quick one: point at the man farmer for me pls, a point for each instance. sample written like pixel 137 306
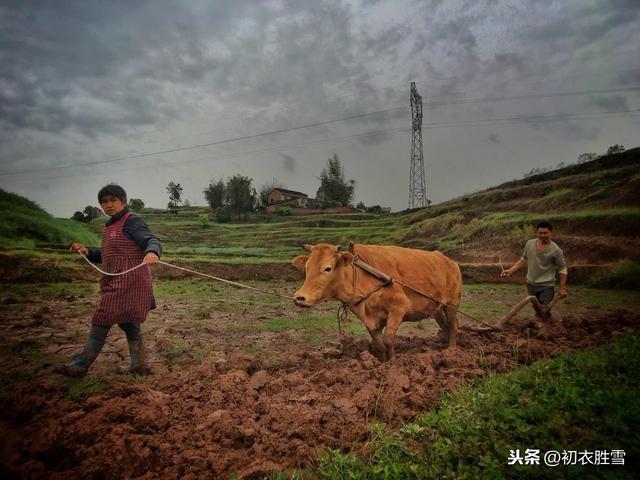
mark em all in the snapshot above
pixel 543 258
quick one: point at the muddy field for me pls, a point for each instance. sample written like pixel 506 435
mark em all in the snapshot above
pixel 242 383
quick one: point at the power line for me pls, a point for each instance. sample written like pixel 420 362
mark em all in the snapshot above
pixel 463 100
pixel 526 119
pixel 209 144
pixel 390 131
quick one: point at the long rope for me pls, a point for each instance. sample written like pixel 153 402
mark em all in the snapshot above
pixel 419 292
pixel 224 280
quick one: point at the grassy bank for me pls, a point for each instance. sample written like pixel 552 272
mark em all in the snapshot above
pixel 584 401
pixel 24 224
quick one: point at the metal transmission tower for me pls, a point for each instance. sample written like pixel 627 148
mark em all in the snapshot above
pixel 417 184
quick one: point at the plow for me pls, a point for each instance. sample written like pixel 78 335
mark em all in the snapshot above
pixel 543 312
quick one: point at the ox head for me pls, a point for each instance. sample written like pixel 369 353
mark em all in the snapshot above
pixel 327 274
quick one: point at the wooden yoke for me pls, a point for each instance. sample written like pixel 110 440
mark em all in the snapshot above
pixel 372 270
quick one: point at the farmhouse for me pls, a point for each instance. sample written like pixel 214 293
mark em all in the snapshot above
pixel 280 197
pixel 299 203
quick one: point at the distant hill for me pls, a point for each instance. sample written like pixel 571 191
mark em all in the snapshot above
pixel 594 207
pixel 24 224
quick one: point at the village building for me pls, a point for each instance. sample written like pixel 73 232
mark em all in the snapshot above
pixel 281 197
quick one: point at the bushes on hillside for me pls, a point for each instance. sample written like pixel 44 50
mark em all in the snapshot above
pixel 223 215
pixel 203 218
pixel 623 275
pixel 284 211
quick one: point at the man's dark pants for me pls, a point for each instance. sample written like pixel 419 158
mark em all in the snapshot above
pixel 544 293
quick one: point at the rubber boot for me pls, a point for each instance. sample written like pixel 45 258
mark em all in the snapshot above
pixel 80 364
pixel 138 353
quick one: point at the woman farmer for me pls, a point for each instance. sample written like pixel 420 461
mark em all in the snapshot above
pixel 124 299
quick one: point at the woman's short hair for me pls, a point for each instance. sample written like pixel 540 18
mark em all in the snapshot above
pixel 112 189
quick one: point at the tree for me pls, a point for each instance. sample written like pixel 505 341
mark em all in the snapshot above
pixel 88 214
pixel 240 195
pixel 265 190
pixel 92 212
pixel 334 189
pixel 615 149
pixel 214 194
pixel 136 204
pixel 361 206
pixel 374 209
pixel 587 157
pixel 223 214
pixel 175 196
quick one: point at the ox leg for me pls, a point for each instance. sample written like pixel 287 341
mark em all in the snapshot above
pixel 374 326
pixel 378 349
pixel 441 320
pixel 393 322
pixel 451 318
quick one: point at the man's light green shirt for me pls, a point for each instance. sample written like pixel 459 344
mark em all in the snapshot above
pixel 542 266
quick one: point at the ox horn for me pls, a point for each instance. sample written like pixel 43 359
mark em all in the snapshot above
pixel 339 248
pixel 307 247
pixel 352 246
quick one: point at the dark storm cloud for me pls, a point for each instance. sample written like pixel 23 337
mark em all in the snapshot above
pixel 565 129
pixel 629 76
pixel 610 102
pixel 375 138
pixel 102 68
pixel 590 22
pixel 93 66
pixel 288 163
pixel 493 138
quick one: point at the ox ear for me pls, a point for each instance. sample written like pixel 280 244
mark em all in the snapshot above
pixel 346 257
pixel 300 262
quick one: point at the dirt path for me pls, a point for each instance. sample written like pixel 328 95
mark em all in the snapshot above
pixel 250 416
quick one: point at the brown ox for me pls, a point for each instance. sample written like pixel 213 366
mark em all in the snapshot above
pixel 332 275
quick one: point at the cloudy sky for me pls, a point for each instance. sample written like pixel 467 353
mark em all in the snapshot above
pixel 144 93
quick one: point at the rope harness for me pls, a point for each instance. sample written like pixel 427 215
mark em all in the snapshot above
pixel 386 281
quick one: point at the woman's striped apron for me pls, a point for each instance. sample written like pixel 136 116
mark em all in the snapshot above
pixel 125 298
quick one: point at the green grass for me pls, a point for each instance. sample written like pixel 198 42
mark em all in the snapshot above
pixel 173 352
pixel 583 401
pixel 560 193
pixel 624 274
pixel 309 324
pixel 82 388
pixel 23 224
